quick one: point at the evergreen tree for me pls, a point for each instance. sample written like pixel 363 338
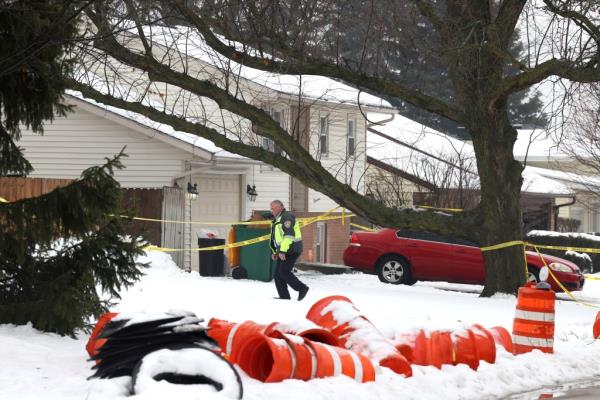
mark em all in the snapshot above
pixel 56 249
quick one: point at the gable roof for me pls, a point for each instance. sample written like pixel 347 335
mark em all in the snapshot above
pixel 311 87
pixel 185 141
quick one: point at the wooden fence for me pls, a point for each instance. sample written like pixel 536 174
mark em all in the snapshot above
pixel 13 189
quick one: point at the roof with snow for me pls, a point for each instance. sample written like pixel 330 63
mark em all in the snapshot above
pixel 309 86
pixel 195 141
pixel 411 147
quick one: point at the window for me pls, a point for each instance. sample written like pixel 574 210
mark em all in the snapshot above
pixel 320 242
pixel 324 134
pixel 351 137
pixel 269 144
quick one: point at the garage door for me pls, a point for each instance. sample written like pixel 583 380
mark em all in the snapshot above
pixel 218 201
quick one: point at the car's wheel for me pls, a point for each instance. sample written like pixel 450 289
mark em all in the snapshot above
pixel 394 270
pixel 533 275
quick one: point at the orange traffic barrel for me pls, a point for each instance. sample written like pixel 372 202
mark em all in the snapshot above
pixel 533 326
pixel 468 346
pixel 357 333
pixel 502 337
pixel 320 313
pixel 286 356
pixel 597 326
pixel 94 344
pixel 229 334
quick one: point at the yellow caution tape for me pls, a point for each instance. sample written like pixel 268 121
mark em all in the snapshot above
pixel 364 228
pixel 322 217
pixel 591 277
pixel 3 200
pixel 561 285
pixel 566 248
pixel 304 222
pixel 210 248
pixel 503 245
pixel 441 209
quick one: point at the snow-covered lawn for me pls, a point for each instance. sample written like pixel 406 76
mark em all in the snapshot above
pixel 39 366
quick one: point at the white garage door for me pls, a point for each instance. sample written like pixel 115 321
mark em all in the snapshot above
pixel 218 201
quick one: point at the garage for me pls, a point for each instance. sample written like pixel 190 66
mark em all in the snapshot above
pixel 219 200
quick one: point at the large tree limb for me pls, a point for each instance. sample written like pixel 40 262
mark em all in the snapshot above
pixel 561 68
pixel 302 64
pixel 462 225
pixel 506 21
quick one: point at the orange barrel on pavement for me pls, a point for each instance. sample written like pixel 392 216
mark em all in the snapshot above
pixel 357 333
pixel 533 326
pixel 286 356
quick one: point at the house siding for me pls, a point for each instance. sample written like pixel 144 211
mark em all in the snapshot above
pixel 349 170
pixel 82 139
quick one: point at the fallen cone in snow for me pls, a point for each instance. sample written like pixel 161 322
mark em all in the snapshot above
pixel 285 356
pixel 94 344
pixel 597 326
pixel 462 347
pixel 357 333
pixel 533 326
pixel 229 335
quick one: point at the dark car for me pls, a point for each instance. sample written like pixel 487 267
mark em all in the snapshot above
pixel 403 256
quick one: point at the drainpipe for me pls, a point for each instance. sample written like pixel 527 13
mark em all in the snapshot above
pixel 556 207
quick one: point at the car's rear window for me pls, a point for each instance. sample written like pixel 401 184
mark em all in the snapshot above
pixel 432 237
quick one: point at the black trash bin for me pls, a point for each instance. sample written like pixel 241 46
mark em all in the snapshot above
pixel 211 261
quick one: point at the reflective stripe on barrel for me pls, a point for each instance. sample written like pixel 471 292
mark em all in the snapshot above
pixel 533 326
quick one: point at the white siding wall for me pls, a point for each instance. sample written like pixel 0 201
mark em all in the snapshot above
pixel 346 169
pixel 271 184
pixel 70 145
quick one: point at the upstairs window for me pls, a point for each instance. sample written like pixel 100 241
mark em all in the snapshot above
pixel 324 135
pixel 269 144
pixel 351 137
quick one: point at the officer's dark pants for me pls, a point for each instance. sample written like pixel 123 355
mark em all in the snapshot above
pixel 284 276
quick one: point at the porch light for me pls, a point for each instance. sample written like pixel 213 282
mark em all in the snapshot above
pixel 192 191
pixel 251 192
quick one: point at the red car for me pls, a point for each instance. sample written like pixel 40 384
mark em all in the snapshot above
pixel 403 256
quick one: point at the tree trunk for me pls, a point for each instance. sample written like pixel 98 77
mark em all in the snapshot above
pixel 501 217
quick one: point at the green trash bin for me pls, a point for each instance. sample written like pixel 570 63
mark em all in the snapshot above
pixel 256 257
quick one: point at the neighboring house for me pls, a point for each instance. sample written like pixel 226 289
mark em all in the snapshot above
pixel 322 113
pixel 402 153
pixel 581 213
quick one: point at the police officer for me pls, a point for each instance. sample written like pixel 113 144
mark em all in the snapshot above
pixel 286 247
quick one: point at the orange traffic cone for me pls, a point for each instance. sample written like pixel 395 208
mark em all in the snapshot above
pixel 285 356
pixel 357 333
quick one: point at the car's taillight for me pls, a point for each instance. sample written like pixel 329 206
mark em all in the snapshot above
pixel 354 240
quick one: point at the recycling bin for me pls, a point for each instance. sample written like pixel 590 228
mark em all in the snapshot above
pixel 256 257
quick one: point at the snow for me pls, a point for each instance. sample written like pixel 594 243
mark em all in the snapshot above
pixel 187 362
pixel 427 153
pixel 43 366
pixel 314 87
